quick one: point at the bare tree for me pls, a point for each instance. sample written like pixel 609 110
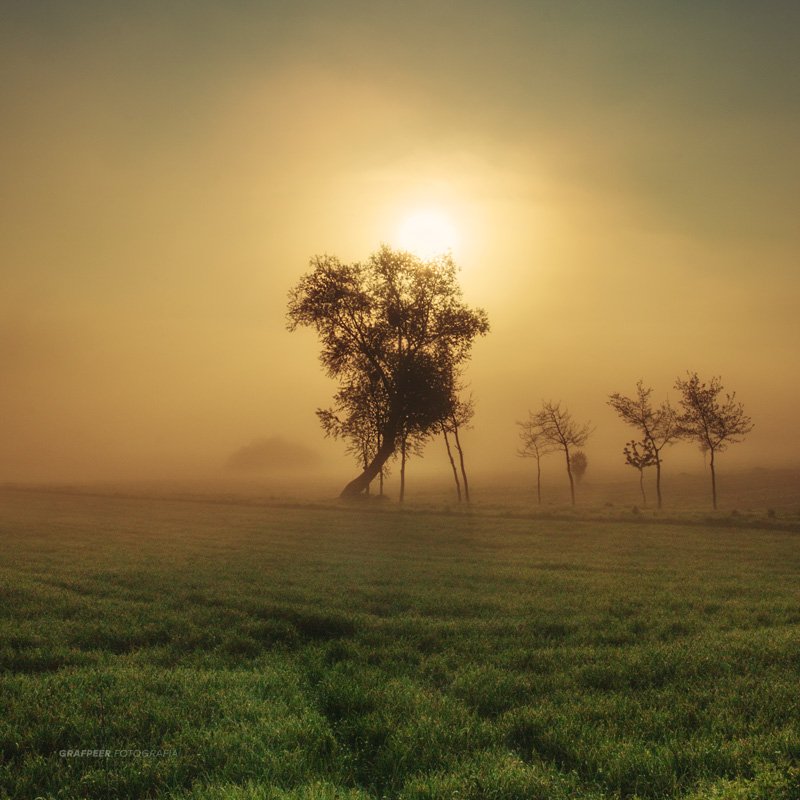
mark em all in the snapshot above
pixel 711 422
pixel 561 431
pixel 534 445
pixel 640 455
pixel 658 425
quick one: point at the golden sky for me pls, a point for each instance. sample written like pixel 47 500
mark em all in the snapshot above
pixel 622 180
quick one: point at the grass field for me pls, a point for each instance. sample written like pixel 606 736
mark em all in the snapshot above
pixel 233 651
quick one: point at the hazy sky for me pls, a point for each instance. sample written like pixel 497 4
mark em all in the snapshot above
pixel 623 179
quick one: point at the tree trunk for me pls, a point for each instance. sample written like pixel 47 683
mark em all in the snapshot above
pixel 381 482
pixel 658 478
pixel 402 469
pixel 713 482
pixel 452 462
pixel 387 448
pixel 461 460
pixel 571 481
pixel 641 486
pixel 539 480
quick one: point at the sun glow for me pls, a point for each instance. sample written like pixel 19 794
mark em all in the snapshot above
pixel 427 233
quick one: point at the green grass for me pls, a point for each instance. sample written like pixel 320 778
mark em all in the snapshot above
pixel 296 653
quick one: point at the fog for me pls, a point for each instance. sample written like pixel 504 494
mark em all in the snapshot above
pixel 623 178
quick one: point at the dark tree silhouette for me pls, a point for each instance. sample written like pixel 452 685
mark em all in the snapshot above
pixel 711 422
pixel 560 430
pixel 578 462
pixel 640 455
pixel 534 445
pixel 396 321
pixel 658 425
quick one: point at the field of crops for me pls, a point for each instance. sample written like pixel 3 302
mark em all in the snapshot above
pixel 157 648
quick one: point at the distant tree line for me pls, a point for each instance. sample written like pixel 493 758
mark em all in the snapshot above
pixel 707 416
pixel 396 335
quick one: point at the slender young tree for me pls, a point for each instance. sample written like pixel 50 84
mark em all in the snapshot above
pixel 710 421
pixel 459 419
pixel 640 455
pixel 403 457
pixel 443 428
pixel 534 446
pixel 562 432
pixel 658 425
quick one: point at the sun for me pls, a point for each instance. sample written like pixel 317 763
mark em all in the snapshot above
pixel 427 233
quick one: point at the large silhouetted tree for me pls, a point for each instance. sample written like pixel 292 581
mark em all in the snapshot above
pixel 658 425
pixel 713 423
pixel 534 445
pixel 396 321
pixel 561 432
